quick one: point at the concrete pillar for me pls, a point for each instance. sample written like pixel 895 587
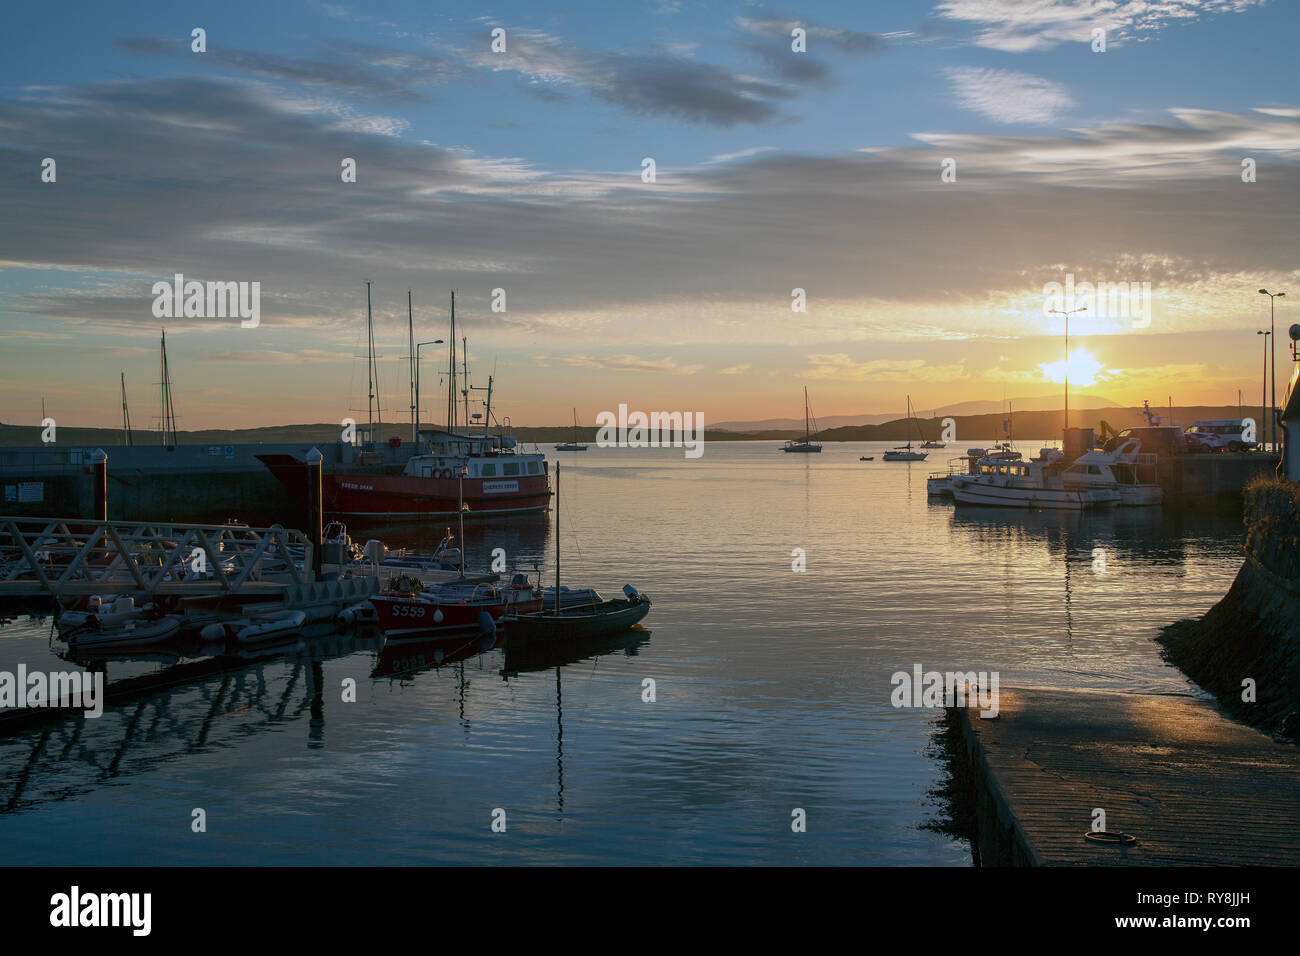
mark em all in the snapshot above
pixel 315 511
pixel 99 475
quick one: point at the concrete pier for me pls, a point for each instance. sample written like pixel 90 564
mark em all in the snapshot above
pixel 1194 787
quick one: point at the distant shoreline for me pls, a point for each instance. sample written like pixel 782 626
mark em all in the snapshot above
pixel 986 427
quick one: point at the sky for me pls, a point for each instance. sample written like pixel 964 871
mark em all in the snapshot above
pixel 922 172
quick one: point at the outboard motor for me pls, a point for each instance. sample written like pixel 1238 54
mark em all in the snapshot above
pixel 631 593
pixel 486 624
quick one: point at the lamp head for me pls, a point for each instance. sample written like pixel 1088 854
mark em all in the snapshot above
pixel 1294 332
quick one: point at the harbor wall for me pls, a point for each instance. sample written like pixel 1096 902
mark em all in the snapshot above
pixel 1211 481
pixel 1254 632
pixel 185 483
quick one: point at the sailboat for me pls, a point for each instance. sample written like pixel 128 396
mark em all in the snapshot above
pixel 904 452
pixel 572 445
pixel 805 444
pixel 577 620
pixel 930 442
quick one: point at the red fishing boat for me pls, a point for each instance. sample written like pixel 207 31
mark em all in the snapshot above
pixel 455 606
pixel 484 473
pixel 446 471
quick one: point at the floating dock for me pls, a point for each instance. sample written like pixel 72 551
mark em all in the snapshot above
pixel 1193 786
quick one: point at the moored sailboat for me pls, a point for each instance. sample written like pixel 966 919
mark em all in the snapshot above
pixel 804 445
pixel 904 452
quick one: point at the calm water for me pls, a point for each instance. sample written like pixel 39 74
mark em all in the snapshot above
pixel 772 686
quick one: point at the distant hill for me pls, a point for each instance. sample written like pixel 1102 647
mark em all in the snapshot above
pixel 1041 403
pixel 970 428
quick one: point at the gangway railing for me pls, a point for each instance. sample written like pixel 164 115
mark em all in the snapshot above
pixel 73 557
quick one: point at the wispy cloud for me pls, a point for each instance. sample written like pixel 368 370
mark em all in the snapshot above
pixel 1006 96
pixel 1018 26
pixel 632 363
pixel 658 81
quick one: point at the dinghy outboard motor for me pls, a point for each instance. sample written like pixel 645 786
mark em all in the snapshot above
pixel 486 624
pixel 632 594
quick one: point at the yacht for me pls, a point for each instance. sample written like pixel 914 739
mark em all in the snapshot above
pixel 1035 483
pixel 1122 468
pixel 804 445
pixel 904 452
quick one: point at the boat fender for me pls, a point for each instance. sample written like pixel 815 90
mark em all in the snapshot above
pixel 485 623
pixel 437 616
pixel 213 632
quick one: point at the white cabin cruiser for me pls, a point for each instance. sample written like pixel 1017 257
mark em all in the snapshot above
pixel 1035 483
pixel 1121 469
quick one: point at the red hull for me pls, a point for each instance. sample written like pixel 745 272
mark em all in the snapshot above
pixel 353 495
pixel 357 494
pixel 401 615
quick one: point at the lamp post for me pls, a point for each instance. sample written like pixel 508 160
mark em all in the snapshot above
pixel 1082 308
pixel 1272 329
pixel 1263 386
pixel 417 390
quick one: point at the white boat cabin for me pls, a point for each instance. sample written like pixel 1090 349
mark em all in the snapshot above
pixel 482 456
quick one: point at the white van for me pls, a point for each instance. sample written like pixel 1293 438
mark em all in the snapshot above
pixel 1223 434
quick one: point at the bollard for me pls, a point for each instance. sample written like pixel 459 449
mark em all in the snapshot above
pixel 315 517
pixel 99 474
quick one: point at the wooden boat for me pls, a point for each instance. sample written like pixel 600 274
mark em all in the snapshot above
pixel 576 619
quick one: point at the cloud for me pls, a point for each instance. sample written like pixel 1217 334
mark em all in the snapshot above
pixel 838 365
pixel 736 369
pixel 1007 96
pixel 225 179
pixel 662 81
pixel 632 363
pixel 1019 26
pixel 778 27
pixel 345 66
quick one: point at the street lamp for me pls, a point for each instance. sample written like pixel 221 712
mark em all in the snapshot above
pixel 1264 385
pixel 1082 308
pixel 417 389
pixel 1272 329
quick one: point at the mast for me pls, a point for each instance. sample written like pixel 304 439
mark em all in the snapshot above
pixel 451 369
pixel 805 414
pixel 126 415
pixel 168 409
pixel 464 388
pixel 372 374
pixel 410 360
pixel 557 537
pixel 909 423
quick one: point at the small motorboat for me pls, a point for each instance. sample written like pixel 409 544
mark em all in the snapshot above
pixel 581 620
pixel 867 458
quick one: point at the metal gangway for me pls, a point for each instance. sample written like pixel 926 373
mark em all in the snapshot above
pixel 73 557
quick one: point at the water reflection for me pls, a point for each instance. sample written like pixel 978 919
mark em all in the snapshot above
pixel 158 718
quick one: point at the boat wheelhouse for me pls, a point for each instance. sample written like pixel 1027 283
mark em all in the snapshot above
pixel 1035 483
pixel 939 483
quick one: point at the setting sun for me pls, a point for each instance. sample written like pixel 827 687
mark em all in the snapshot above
pixel 1084 369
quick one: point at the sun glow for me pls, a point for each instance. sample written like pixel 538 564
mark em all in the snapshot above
pixel 1084 369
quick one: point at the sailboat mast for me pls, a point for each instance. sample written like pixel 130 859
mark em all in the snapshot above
pixel 464 387
pixel 909 423
pixel 126 415
pixel 451 369
pixel 805 414
pixel 557 537
pixel 410 358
